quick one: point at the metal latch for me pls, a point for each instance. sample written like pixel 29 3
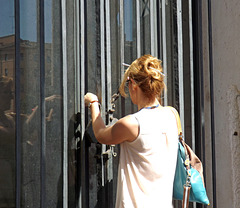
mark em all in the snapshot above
pixel 110 152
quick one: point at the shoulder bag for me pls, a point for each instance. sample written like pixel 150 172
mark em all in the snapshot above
pixel 188 182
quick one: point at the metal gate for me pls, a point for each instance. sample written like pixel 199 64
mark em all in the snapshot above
pixel 57 52
pixel 116 32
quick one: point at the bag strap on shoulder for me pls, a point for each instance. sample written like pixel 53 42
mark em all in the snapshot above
pixel 177 119
pixel 180 137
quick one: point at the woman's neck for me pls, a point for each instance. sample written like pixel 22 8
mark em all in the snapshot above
pixel 148 103
pixel 139 98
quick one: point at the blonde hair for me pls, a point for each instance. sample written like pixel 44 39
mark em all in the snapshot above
pixel 146 71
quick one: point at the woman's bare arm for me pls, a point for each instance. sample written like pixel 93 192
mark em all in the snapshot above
pixel 125 129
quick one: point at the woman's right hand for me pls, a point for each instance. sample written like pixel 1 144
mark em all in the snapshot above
pixel 89 97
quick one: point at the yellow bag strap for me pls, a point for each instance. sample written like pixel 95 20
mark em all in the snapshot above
pixel 177 119
pixel 180 136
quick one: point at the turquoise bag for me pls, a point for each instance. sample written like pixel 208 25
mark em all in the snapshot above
pixel 190 177
pixel 188 182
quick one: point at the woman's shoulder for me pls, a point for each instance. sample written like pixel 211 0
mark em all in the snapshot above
pixel 128 121
pixel 127 127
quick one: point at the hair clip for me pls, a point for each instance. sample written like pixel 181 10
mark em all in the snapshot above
pixel 125 64
pixel 156 70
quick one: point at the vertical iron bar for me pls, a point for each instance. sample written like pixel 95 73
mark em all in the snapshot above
pixel 159 28
pixel 17 105
pixel 180 61
pixel 109 95
pixel 153 27
pixel 65 118
pixel 164 49
pixel 77 55
pixel 77 86
pixel 108 53
pixel 121 27
pixel 202 106
pixel 191 73
pixel 191 76
pixel 82 52
pixel 103 74
pixel 42 106
pixel 103 67
pixel 138 29
pixel 212 101
pixel 82 193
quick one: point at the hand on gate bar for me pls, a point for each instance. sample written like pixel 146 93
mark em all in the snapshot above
pixel 90 98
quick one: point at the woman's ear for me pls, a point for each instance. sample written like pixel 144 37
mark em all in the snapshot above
pixel 134 84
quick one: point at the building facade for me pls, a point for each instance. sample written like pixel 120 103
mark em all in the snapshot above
pixel 53 52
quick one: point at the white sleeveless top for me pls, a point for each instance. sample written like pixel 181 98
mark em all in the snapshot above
pixel 147 165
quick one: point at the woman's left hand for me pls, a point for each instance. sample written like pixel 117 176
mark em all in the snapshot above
pixel 89 97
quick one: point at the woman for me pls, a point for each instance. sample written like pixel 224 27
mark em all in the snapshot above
pixel 148 139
